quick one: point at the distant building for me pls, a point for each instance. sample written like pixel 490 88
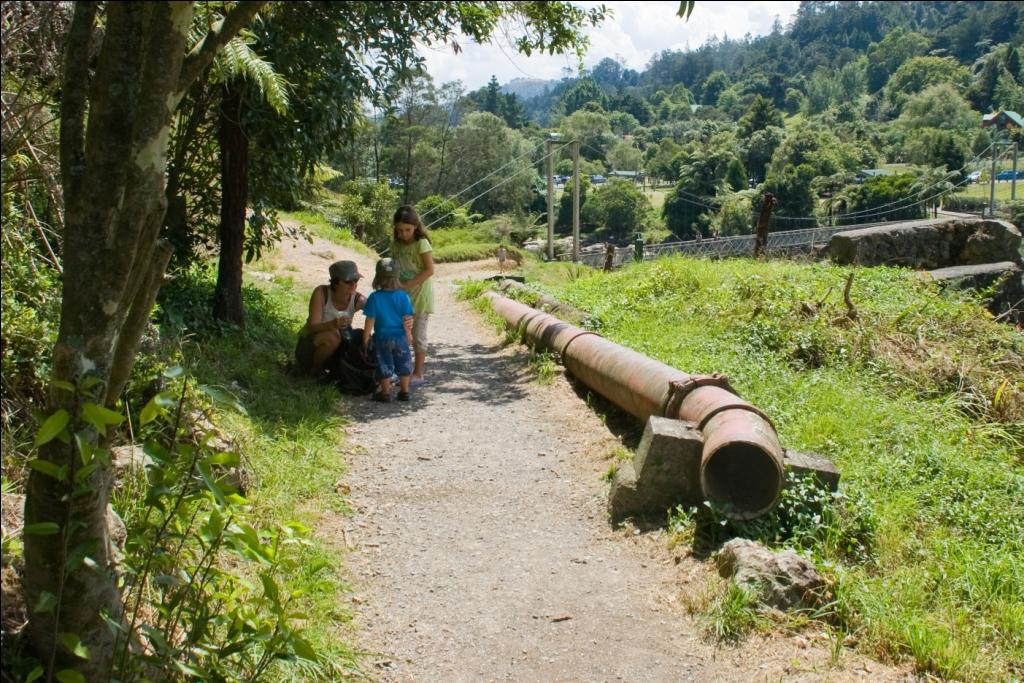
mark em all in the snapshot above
pixel 866 173
pixel 1002 120
pixel 635 176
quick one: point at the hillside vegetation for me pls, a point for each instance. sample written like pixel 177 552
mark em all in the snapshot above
pixel 280 122
pixel 917 399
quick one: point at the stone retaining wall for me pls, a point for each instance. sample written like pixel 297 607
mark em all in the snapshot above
pixel 929 245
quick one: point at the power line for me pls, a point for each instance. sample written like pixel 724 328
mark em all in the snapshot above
pixel 495 187
pixel 531 151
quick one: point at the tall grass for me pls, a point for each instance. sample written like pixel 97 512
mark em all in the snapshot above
pixel 917 396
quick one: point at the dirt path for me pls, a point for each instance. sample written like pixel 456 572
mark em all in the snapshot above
pixel 480 545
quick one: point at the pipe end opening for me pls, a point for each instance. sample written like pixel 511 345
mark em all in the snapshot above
pixel 743 479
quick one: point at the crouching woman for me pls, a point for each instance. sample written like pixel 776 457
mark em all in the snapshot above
pixel 329 324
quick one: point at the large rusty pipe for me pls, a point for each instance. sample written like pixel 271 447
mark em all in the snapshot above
pixel 741 464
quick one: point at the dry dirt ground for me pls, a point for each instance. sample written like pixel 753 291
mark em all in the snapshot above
pixel 479 548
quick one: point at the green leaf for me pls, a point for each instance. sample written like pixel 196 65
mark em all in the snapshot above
pixel 213 527
pixel 42 529
pixel 36 673
pixel 80 553
pixel 251 540
pixel 222 398
pixel 211 483
pixel 173 371
pixel 53 426
pixel 89 382
pixel 226 459
pixel 100 417
pixel 49 469
pixel 62 384
pixel 165 400
pixel 85 448
pixel 69 676
pixel 149 413
pixel 236 499
pixel 83 473
pixel 303 648
pixel 157 452
pixel 74 645
pixel 47 601
pixel 270 587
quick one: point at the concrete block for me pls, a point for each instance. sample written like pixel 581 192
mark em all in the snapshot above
pixel 812 463
pixel 664 473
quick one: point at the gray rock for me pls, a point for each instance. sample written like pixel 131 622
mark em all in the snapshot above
pixel 1007 277
pixel 783 580
pixel 126 460
pixel 929 244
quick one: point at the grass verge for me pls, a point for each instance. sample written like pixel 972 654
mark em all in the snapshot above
pixel 290 436
pixel 914 393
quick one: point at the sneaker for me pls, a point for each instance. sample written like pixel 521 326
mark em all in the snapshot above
pixel 403 395
pixel 381 398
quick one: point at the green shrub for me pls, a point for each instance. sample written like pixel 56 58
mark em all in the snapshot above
pixel 1014 212
pixel 441 213
pixel 961 202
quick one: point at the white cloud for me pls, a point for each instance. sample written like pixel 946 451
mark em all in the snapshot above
pixel 634 34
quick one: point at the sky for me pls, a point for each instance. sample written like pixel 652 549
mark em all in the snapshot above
pixel 635 33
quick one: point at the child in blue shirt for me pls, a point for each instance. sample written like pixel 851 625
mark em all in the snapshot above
pixel 389 317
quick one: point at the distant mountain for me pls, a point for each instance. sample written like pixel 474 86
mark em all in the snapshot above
pixel 525 88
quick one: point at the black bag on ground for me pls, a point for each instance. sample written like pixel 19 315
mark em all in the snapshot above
pixel 349 370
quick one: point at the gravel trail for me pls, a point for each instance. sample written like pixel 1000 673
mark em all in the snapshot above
pixel 480 548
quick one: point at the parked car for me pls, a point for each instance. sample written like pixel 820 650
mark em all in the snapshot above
pixel 1009 175
pixel 973 176
pixel 598 179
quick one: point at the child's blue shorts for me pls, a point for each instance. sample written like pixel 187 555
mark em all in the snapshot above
pixel 393 357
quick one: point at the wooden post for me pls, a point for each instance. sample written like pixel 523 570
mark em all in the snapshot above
pixel 761 240
pixel 550 166
pixel 576 201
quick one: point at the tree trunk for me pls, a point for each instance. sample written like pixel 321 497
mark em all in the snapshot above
pixel 234 173
pixel 113 151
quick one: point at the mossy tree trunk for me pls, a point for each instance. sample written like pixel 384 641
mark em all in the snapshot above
pixel 115 125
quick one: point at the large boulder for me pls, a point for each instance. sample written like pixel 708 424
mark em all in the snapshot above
pixel 1006 280
pixel 783 580
pixel 929 244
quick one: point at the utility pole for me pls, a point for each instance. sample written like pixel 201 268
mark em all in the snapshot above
pixel 549 145
pixel 575 200
pixel 1013 180
pixel 992 183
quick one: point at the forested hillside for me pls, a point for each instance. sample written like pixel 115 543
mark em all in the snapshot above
pixel 900 86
